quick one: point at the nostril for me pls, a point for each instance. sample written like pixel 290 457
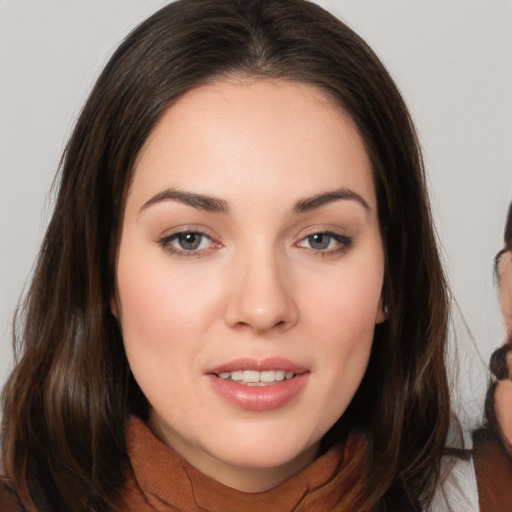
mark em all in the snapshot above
pixel 259 325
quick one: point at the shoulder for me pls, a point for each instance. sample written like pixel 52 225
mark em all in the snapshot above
pixel 9 501
pixel 457 487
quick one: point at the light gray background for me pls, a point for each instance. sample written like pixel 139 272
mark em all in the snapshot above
pixel 452 59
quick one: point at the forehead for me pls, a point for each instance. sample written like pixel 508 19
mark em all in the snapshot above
pixel 263 135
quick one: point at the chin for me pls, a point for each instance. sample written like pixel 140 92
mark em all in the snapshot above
pixel 266 451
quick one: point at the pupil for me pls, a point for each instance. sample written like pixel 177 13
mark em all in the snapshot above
pixel 319 241
pixel 189 241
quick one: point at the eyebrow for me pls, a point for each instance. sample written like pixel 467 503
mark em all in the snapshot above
pixel 316 201
pixel 215 205
pixel 199 201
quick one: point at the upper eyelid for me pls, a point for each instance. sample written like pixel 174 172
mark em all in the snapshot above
pixel 344 242
pixel 332 234
pixel 199 229
pixel 173 236
pixel 317 230
pixel 185 231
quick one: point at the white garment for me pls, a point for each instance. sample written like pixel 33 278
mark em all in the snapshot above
pixel 457 490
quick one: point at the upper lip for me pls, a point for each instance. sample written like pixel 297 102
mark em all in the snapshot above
pixel 261 365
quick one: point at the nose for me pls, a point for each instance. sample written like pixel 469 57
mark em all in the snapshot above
pixel 261 294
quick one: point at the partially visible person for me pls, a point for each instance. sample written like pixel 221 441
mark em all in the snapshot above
pixel 503 266
pixel 501 360
pixel 493 443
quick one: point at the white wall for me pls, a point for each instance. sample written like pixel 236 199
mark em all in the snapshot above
pixel 452 60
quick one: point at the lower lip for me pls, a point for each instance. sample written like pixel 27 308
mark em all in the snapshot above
pixel 259 398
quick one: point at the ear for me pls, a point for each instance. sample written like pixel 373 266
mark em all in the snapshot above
pixel 382 313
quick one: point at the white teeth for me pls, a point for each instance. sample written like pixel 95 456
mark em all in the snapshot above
pixel 251 376
pixel 268 376
pixel 254 377
pixel 238 375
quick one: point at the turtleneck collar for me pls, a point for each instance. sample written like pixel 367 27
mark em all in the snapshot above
pixel 159 479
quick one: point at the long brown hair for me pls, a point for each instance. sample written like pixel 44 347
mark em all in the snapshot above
pixel 67 400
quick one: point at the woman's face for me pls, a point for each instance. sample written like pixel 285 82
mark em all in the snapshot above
pixel 249 276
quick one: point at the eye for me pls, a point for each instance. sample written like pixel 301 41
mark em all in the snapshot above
pixel 186 242
pixel 325 242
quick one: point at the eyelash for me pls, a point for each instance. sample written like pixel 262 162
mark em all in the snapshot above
pixel 343 244
pixel 166 244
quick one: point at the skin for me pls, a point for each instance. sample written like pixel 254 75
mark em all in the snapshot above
pixel 503 404
pixel 505 279
pixel 503 393
pixel 256 286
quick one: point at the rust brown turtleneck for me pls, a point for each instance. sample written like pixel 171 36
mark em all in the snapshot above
pixel 160 480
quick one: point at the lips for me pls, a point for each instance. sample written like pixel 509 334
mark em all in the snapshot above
pixel 260 365
pixel 258 385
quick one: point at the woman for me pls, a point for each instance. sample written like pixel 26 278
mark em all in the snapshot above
pixel 501 362
pixel 497 407
pixel 239 303
pixel 493 443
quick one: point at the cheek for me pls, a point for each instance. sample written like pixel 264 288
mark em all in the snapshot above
pixel 344 328
pixel 344 314
pixel 163 314
pixel 349 302
pixel 157 301
pixel 348 313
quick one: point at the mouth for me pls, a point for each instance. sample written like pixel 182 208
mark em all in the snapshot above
pixel 255 377
pixel 259 385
